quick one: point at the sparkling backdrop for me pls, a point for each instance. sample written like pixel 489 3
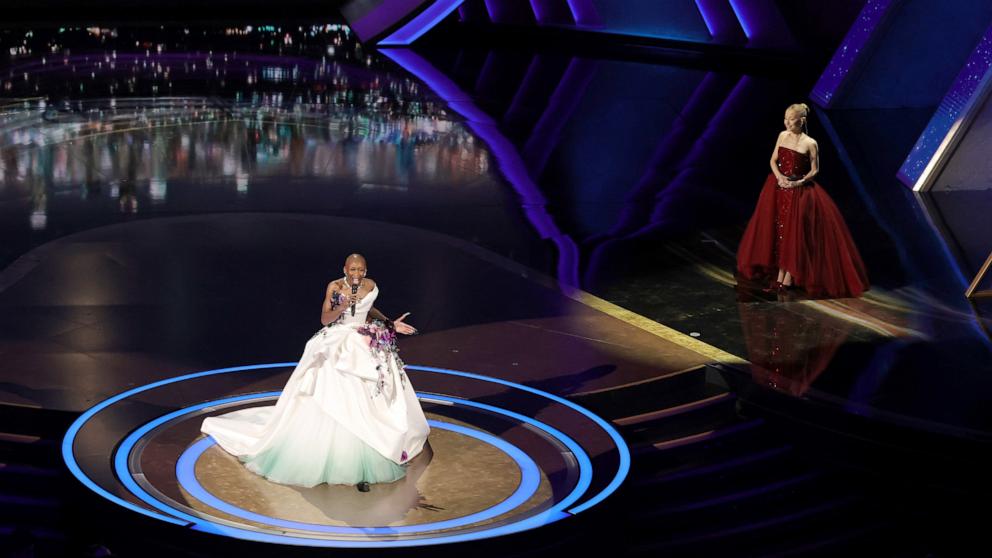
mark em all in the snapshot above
pixel 950 112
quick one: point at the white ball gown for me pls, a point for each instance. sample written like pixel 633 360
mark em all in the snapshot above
pixel 348 413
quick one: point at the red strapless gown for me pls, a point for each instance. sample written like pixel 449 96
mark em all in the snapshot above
pixel 801 231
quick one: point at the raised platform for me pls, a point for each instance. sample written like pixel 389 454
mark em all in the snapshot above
pixel 489 470
pixel 509 452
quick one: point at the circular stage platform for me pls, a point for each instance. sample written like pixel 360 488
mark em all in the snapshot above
pixel 502 458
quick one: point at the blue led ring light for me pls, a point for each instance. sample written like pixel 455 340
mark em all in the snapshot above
pixel 556 513
pixel 526 489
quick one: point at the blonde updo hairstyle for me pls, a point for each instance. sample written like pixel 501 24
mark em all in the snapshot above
pixel 802 109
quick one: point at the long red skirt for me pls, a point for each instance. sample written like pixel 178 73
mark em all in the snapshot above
pixel 801 231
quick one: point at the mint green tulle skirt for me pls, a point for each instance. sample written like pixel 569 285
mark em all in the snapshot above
pixel 315 449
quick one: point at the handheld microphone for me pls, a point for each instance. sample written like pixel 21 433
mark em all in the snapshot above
pixel 354 290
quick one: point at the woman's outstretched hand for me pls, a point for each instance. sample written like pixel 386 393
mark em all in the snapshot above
pixel 403 327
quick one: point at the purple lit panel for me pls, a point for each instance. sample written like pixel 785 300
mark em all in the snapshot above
pixel 737 7
pixel 493 9
pixel 966 88
pixel 847 54
pixel 379 19
pixel 541 10
pixel 721 21
pixel 524 91
pixel 561 105
pixel 763 23
pixel 422 23
pixel 551 12
pixel 727 117
pixel 585 13
pixel 672 19
pixel 507 157
pixel 695 115
pixel 511 11
pixel 711 92
pixel 473 11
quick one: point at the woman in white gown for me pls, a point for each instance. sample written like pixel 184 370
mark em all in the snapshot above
pixel 348 414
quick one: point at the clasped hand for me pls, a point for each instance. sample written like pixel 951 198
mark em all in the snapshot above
pixel 784 182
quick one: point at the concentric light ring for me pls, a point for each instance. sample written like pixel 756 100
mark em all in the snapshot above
pixel 558 511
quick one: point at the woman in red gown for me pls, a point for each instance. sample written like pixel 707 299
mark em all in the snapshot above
pixel 797 235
